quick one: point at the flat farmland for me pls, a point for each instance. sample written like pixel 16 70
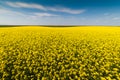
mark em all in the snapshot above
pixel 60 53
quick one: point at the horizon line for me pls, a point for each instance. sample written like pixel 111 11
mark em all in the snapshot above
pixel 59 25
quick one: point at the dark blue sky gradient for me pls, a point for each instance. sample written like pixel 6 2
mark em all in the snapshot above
pixel 76 4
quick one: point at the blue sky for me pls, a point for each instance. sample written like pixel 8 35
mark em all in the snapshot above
pixel 60 12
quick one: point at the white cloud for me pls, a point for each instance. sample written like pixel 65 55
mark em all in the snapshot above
pixel 25 5
pixel 44 14
pixel 10 12
pixel 9 17
pixel 67 10
pixel 44 8
pixel 34 14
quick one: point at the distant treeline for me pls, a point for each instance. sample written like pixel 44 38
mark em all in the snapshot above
pixel 58 25
pixel 37 25
pixel 10 25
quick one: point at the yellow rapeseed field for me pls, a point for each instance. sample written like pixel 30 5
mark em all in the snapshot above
pixel 51 53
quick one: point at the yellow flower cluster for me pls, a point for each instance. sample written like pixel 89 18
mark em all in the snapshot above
pixel 76 53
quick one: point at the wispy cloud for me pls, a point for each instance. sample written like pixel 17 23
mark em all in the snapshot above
pixel 12 17
pixel 33 14
pixel 67 10
pixel 44 8
pixel 10 12
pixel 44 14
pixel 25 5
